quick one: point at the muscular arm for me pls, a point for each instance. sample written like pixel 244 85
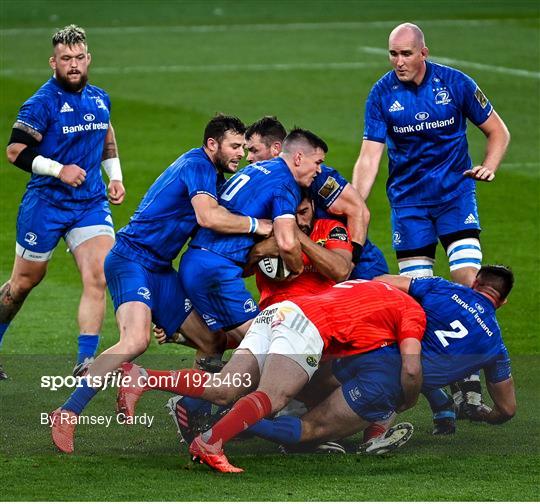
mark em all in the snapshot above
pixel 411 372
pixel 504 402
pixel 498 138
pixel 286 232
pixel 366 167
pixel 265 248
pixel 213 216
pixel 110 148
pixel 351 204
pixel 333 264
pixel 14 149
pixel 399 282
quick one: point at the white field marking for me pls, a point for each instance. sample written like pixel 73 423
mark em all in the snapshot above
pixel 337 25
pixel 470 64
pixel 353 65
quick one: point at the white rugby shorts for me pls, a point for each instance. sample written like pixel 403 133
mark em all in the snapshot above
pixel 283 329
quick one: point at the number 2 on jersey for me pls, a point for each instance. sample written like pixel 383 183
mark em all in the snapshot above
pixel 460 331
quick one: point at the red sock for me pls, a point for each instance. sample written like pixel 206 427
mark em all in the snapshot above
pixel 372 431
pixel 188 382
pixel 246 412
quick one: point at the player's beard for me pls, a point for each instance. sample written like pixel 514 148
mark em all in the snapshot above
pixel 222 163
pixel 73 87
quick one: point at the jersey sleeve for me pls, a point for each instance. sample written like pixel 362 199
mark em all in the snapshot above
pixel 500 369
pixel 35 113
pixel 284 202
pixel 326 187
pixel 423 285
pixel 374 123
pixel 475 105
pixel 412 323
pixel 200 179
pixel 337 236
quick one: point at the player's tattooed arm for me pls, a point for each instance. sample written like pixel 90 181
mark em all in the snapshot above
pixel 110 148
pixel 29 130
pixel 22 136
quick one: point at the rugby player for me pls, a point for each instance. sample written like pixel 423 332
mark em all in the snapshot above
pixel 332 195
pixel 211 269
pixel 62 136
pixel 462 334
pixel 282 351
pixel 144 286
pixel 420 110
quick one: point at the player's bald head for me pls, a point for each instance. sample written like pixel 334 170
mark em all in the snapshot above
pixel 409 34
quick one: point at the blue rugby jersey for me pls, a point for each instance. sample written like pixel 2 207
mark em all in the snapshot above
pixel 424 128
pixel 462 333
pixel 265 190
pixel 165 218
pixel 73 126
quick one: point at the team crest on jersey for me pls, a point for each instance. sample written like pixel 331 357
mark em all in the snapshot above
pixel 101 104
pixel 30 238
pixel 396 238
pixel 144 292
pixel 442 97
pixel 187 305
pixel 330 187
pixel 355 394
pixel 481 98
pixel 250 306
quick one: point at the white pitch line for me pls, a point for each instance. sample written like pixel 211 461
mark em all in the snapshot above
pixel 353 25
pixel 468 64
pixel 353 65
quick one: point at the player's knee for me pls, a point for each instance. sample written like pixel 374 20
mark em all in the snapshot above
pixel 134 345
pixel 22 283
pixel 416 267
pixel 94 279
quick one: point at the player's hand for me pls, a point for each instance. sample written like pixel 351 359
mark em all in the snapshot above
pixel 480 173
pixel 264 228
pixel 72 175
pixel 160 335
pixel 476 413
pixel 116 192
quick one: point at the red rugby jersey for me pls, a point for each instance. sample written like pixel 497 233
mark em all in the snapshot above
pixel 357 316
pixel 328 233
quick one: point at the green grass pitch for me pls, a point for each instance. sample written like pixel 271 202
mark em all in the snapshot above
pixel 169 66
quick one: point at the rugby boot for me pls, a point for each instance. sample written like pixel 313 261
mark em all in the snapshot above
pixel 394 438
pixel 63 423
pixel 211 455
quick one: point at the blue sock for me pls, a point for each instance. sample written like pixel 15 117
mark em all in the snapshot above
pixel 444 414
pixel 438 400
pixel 283 429
pixel 3 329
pixel 196 405
pixel 80 398
pixel 88 344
